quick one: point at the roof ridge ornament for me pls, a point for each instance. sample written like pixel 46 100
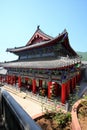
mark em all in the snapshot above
pixel 65 30
pixel 38 27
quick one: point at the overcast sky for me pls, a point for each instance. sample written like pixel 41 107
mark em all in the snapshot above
pixel 19 20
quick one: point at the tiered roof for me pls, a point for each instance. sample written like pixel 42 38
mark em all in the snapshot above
pixel 49 64
pixel 39 33
pixel 44 40
pixel 2 71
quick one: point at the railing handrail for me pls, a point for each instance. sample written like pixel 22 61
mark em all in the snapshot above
pixel 24 119
pixel 43 100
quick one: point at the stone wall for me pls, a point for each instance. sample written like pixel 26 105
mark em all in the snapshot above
pixel 84 74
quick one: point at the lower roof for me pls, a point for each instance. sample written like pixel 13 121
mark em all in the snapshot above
pixel 3 71
pixel 49 64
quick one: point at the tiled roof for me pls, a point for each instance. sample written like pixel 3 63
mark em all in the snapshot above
pixel 50 64
pixel 2 71
pixel 16 49
pixel 28 47
pixel 41 33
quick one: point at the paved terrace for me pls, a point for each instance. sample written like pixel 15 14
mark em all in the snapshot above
pixel 35 104
pixel 31 107
pixel 31 103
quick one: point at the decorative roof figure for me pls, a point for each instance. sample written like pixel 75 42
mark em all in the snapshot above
pixel 38 27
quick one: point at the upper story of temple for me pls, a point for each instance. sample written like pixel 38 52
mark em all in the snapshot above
pixel 44 47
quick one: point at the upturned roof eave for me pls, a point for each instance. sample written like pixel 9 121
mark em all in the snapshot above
pixel 17 49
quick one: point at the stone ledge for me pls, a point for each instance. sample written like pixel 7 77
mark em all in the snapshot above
pixel 75 122
pixel 37 116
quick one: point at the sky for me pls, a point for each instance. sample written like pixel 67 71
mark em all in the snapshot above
pixel 19 20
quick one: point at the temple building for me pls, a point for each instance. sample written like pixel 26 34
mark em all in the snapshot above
pixel 46 65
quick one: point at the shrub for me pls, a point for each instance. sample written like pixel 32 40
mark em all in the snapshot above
pixel 82 109
pixel 62 118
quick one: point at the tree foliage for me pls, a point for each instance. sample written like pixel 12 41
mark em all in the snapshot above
pixel 83 55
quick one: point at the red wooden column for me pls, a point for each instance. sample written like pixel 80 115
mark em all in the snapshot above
pixel 59 90
pixel 1 78
pixel 34 86
pixel 40 83
pixel 63 93
pixel 68 88
pixel 11 80
pixel 49 84
pixel 26 81
pixel 7 79
pixel 75 81
pixel 79 76
pixel 15 80
pixel 19 81
pixel 71 87
pixel 56 89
